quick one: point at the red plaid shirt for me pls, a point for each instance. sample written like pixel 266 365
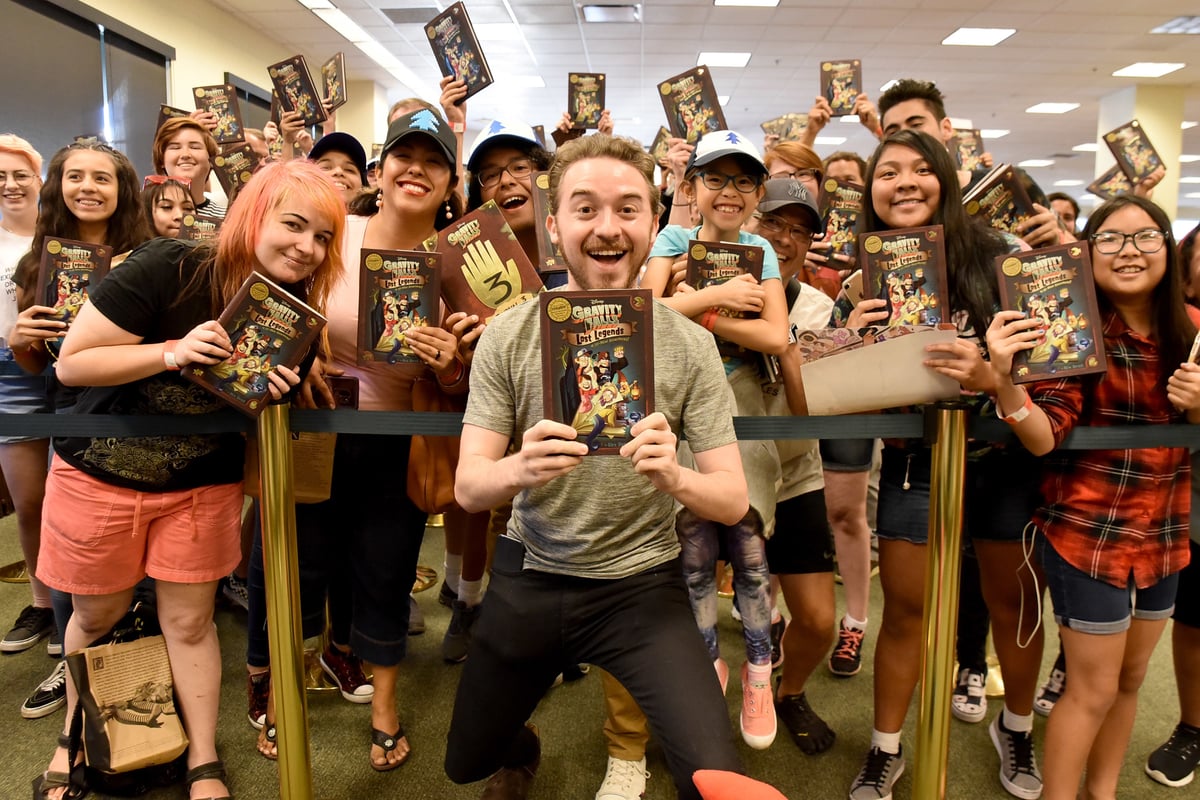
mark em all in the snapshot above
pixel 1113 513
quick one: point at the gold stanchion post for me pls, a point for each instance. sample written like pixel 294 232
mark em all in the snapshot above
pixel 941 600
pixel 284 631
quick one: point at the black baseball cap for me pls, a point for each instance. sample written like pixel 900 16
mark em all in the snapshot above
pixel 783 192
pixel 428 123
pixel 344 143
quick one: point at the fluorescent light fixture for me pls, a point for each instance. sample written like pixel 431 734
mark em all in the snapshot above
pixel 1188 124
pixel 315 4
pixel 1148 69
pixel 747 3
pixel 1036 162
pixel 612 12
pixel 1193 195
pixel 1179 25
pixel 1051 108
pixel 850 118
pixel 1189 180
pixel 1086 147
pixel 979 37
pixel 717 59
pixel 888 85
pixel 1186 159
pixel 994 133
pixel 341 23
pixel 1068 182
pixel 831 140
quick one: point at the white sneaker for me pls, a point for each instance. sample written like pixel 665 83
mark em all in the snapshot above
pixel 623 780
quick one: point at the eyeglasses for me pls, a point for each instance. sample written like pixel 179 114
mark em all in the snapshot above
pixel 775 225
pixel 798 174
pixel 719 180
pixel 1147 240
pixel 20 178
pixel 158 180
pixel 519 168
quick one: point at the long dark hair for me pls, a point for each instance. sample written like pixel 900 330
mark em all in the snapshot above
pixel 1173 327
pixel 971 246
pixel 127 227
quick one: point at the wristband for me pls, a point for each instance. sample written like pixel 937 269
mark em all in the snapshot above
pixel 168 355
pixel 458 127
pixel 1018 415
pixel 456 377
pixel 709 319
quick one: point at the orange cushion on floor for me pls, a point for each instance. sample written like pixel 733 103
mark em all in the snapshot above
pixel 717 785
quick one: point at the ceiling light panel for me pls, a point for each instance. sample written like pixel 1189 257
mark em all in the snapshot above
pixel 978 37
pixel 1148 69
pixel 723 59
pixel 1051 108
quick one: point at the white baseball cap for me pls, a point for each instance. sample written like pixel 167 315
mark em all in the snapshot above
pixel 517 133
pixel 719 144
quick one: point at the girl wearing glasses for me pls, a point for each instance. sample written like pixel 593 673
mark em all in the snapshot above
pixel 725 176
pixel 1113 522
pixel 166 201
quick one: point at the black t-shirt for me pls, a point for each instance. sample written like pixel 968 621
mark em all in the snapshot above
pixel 142 297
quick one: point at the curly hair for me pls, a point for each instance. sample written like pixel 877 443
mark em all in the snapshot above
pixel 534 152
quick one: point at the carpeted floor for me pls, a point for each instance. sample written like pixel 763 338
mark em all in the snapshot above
pixel 569 717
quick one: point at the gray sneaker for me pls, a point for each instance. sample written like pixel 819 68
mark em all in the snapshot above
pixel 49 696
pixel 32 625
pixel 1019 774
pixel 878 775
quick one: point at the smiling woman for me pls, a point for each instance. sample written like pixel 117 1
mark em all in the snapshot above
pixel 184 149
pixel 170 506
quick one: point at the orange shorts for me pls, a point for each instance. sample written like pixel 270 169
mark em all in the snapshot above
pixel 98 538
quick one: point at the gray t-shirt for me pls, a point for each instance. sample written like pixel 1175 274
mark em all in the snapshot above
pixel 602 520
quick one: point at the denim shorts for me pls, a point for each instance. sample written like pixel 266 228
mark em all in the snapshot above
pixel 23 394
pixel 847 455
pixel 999 496
pixel 1089 605
pixel 1187 601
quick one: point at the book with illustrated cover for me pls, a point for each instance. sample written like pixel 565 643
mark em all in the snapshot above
pixel 598 363
pixel 967 148
pixel 711 263
pixel 1112 183
pixel 585 98
pixel 1000 199
pixel 484 270
pixel 661 144
pixel 691 103
pixel 198 227
pixel 788 127
pixel 398 290
pixel 269 327
pixel 234 167
pixel 222 102
pixel 166 112
pixel 333 78
pixel 68 271
pixel 1055 285
pixel 550 257
pixel 841 203
pixel 841 84
pixel 907 268
pixel 296 89
pixel 456 49
pixel 1133 151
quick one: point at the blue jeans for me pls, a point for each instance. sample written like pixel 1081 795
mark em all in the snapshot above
pixel 744 544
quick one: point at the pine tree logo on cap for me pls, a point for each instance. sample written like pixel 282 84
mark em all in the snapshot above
pixel 425 120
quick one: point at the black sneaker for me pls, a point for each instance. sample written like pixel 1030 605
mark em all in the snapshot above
pixel 777 630
pixel 1174 764
pixel 1050 692
pixel 846 659
pixel 49 696
pixel 809 732
pixel 235 591
pixel 1019 774
pixel 54 643
pixel 878 775
pixel 32 625
pixel 457 640
pixel 447 596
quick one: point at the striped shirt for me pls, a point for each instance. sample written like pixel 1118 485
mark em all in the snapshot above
pixel 1116 514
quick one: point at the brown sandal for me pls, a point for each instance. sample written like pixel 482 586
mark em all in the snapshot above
pixel 388 743
pixel 213 770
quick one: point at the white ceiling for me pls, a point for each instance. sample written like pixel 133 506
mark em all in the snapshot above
pixel 1064 50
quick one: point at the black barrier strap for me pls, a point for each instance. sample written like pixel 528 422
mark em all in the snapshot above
pixel 406 423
